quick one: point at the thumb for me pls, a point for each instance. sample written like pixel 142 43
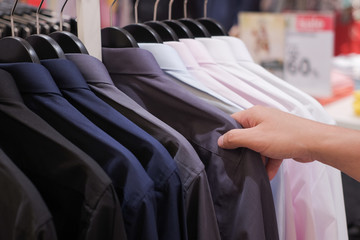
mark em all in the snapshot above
pixel 237 138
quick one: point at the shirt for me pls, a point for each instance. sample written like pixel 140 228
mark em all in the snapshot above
pixel 170 62
pixel 77 192
pixel 313 106
pixel 134 188
pixel 24 213
pixel 238 181
pixel 238 48
pixel 155 159
pixel 198 201
pixel 223 56
pixel 205 78
pixel 251 94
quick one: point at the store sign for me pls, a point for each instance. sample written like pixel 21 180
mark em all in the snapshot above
pixel 297 47
pixel 309 52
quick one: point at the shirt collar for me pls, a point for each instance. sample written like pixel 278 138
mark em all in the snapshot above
pixel 8 89
pixel 166 56
pixel 92 69
pixel 65 74
pixel 184 53
pixel 238 48
pixel 134 61
pixel 218 49
pixel 199 51
pixel 31 78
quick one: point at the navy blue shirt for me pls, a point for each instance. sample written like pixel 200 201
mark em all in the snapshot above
pixel 155 159
pixel 132 184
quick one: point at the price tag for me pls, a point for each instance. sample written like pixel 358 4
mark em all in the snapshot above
pixel 309 52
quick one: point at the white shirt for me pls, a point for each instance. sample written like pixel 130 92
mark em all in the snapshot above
pixel 206 62
pixel 202 76
pixel 223 56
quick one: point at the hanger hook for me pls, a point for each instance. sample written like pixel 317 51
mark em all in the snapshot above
pixel 37 17
pixel 185 8
pixel 61 15
pixel 156 8
pixel 170 8
pixel 12 18
pixel 111 17
pixel 136 11
pixel 205 8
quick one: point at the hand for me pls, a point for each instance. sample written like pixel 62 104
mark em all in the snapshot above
pixel 273 133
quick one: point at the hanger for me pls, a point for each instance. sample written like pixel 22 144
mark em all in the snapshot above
pixel 178 27
pixel 114 37
pixel 15 49
pixel 197 29
pixel 142 32
pixel 45 46
pixel 165 32
pixel 213 27
pixel 22 28
pixel 67 40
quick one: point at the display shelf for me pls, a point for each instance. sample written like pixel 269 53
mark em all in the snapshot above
pixel 342 112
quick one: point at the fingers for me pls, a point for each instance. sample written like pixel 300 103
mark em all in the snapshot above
pixel 237 138
pixel 250 117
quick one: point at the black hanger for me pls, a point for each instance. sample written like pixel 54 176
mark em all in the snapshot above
pixel 212 26
pixel 45 46
pixel 68 41
pixel 196 28
pixel 142 32
pixel 114 37
pixel 165 32
pixel 179 28
pixel 15 49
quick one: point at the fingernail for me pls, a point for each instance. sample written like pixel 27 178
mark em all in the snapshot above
pixel 221 141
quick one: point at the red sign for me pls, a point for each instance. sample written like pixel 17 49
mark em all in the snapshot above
pixel 313 23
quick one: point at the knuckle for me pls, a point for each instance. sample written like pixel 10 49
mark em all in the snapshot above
pixel 229 138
